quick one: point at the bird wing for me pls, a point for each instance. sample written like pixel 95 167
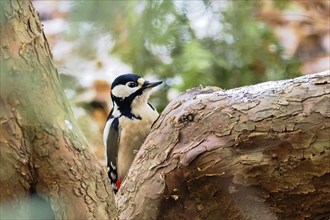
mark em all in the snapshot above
pixel 111 139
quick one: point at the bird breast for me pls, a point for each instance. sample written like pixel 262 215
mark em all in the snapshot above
pixel 133 133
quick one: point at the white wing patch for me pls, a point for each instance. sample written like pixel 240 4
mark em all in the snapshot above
pixel 106 131
pixel 113 175
pixel 115 114
pixel 112 166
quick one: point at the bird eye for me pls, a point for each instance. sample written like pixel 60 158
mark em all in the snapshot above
pixel 131 84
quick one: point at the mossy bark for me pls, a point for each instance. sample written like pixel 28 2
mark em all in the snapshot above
pixel 256 152
pixel 42 150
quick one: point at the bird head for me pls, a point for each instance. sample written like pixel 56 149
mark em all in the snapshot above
pixel 130 88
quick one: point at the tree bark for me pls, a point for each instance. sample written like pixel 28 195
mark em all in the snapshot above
pixel 42 151
pixel 256 152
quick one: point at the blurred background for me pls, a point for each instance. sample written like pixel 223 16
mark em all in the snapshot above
pixel 185 43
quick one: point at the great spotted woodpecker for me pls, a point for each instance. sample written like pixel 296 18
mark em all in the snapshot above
pixel 128 124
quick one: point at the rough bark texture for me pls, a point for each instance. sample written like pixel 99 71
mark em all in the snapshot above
pixel 42 151
pixel 256 152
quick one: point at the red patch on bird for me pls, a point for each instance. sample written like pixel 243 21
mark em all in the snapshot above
pixel 118 184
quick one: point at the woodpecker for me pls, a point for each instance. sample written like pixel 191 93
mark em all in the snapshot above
pixel 128 124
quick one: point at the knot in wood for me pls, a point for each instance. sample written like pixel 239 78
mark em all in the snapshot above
pixel 186 118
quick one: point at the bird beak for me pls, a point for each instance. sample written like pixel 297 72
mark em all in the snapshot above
pixel 148 84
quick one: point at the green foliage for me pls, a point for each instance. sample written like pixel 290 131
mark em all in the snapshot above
pixel 157 37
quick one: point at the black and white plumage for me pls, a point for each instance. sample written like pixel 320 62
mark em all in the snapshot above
pixel 128 124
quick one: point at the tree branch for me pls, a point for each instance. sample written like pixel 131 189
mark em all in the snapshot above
pixel 257 152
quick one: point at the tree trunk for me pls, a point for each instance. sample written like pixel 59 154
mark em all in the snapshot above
pixel 256 152
pixel 42 150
